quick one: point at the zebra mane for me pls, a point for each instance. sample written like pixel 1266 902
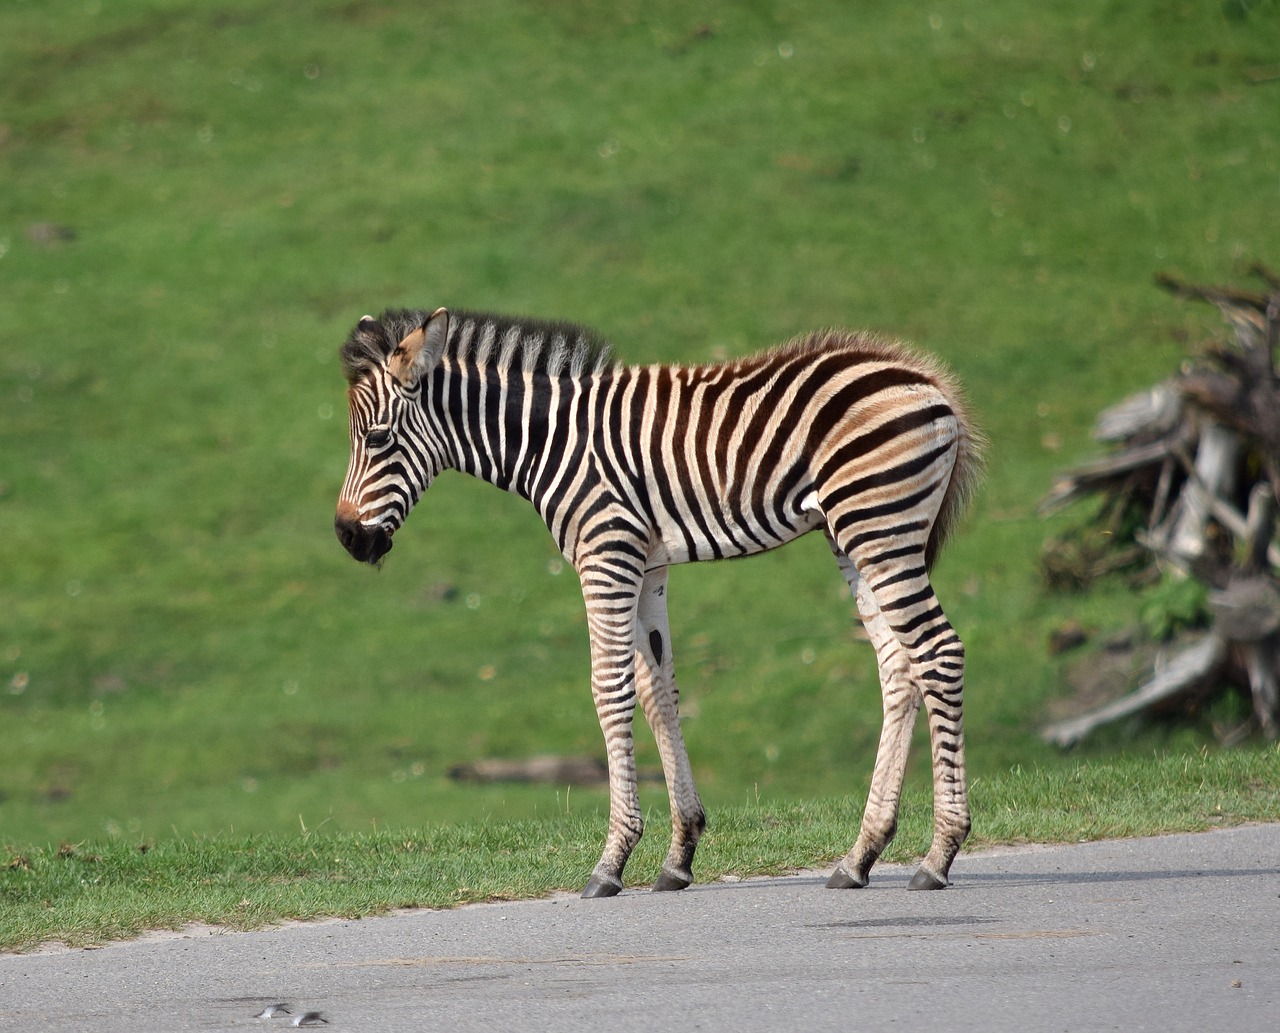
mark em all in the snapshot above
pixel 505 342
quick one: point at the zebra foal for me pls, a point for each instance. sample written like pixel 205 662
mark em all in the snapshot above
pixel 634 469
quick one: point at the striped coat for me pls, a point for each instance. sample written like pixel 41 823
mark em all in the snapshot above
pixel 635 469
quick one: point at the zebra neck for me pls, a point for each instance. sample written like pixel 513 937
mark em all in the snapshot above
pixel 511 428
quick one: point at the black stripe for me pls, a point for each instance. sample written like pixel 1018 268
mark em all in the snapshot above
pixel 658 398
pixel 893 554
pixel 865 444
pixel 791 492
pixel 775 381
pixel 895 506
pixel 929 633
pixel 624 425
pixel 875 534
pixel 883 478
pixel 561 446
pixel 931 614
pixel 906 574
pixel 479 462
pixel 496 405
pixel 909 600
pixel 680 433
pixel 837 407
pixel 706 456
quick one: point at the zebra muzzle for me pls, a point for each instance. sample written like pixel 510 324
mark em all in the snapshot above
pixel 366 544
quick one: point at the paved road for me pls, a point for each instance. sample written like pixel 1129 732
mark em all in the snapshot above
pixel 1171 933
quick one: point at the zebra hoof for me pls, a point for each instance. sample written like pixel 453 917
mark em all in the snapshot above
pixel 598 887
pixel 842 880
pixel 670 881
pixel 923 880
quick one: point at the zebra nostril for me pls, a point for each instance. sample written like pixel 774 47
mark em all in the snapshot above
pixel 366 544
pixel 346 524
pixel 348 532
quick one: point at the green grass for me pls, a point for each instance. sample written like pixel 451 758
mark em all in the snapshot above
pixel 85 893
pixel 185 650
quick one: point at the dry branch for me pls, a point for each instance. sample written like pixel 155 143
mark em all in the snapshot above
pixel 1185 673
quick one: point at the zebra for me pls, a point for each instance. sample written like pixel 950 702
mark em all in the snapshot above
pixel 634 469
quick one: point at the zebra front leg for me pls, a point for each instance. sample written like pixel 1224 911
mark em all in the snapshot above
pixel 901 703
pixel 611 615
pixel 659 696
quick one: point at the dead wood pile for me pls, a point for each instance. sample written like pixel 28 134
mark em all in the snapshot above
pixel 1191 484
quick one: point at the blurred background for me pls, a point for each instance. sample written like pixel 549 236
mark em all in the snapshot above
pixel 201 197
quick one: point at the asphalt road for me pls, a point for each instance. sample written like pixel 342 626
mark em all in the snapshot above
pixel 1170 933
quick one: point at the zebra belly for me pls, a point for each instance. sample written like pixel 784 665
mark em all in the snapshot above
pixel 716 532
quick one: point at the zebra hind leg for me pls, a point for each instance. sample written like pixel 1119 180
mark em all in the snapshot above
pixel 655 682
pixel 941 673
pixel 901 701
pixel 912 625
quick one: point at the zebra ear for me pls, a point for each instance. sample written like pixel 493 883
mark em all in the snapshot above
pixel 436 330
pixel 420 350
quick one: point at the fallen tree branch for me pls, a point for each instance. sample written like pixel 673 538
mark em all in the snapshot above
pixel 1186 672
pixel 1089 477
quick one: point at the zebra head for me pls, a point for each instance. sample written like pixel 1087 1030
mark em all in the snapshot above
pixel 394 454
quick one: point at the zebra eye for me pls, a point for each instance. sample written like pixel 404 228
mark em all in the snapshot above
pixel 377 437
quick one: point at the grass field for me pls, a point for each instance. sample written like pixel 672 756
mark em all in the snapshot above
pixel 88 893
pixel 200 198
